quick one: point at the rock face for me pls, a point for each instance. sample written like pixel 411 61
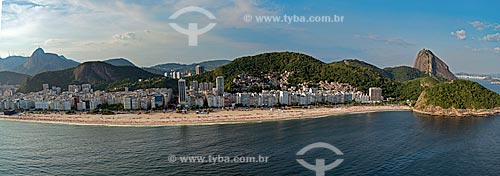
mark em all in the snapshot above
pixel 429 63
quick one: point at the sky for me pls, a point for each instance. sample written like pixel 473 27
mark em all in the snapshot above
pixel 465 34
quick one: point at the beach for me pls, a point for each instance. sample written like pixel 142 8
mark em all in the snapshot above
pixel 217 117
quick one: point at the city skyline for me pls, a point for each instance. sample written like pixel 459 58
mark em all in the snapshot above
pixel 139 31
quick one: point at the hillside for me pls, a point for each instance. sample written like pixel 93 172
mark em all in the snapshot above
pixel 400 73
pixel 404 73
pixel 11 78
pixel 101 75
pixel 361 64
pixel 459 94
pixel 301 68
pixel 411 89
pixel 209 65
pixel 120 62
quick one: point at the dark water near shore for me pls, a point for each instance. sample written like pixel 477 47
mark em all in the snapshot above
pixel 384 143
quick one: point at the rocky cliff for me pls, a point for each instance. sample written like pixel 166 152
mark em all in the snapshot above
pixel 429 63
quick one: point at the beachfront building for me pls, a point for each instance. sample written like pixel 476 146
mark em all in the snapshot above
pixel 375 94
pixel 26 104
pixel 42 105
pixel 219 85
pixel 81 106
pixel 284 98
pixel 182 91
pixel 243 99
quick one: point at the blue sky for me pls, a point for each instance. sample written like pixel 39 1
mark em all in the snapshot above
pixel 386 33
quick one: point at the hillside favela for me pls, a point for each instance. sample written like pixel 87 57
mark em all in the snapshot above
pixel 249 87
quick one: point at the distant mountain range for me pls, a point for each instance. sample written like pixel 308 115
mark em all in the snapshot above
pixel 14 70
pixel 56 70
pixel 162 68
pixel 38 62
pixel 100 74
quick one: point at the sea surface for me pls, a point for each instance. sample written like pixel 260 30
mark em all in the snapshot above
pixel 487 84
pixel 377 143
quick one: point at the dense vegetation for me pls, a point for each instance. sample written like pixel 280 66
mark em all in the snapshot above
pixel 157 82
pixel 461 94
pixel 411 90
pixel 12 78
pixel 305 68
pixel 209 65
pixel 404 73
pixel 400 73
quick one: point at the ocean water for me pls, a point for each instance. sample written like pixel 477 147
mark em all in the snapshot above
pixel 379 143
pixel 487 84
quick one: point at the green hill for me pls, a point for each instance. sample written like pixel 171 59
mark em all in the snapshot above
pixel 101 75
pixel 400 73
pixel 304 68
pixel 411 90
pixel 361 64
pixel 404 73
pixel 459 94
pixel 12 78
pixel 209 65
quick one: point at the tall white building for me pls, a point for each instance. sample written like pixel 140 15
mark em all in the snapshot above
pixel 375 94
pixel 182 91
pixel 284 98
pixel 220 85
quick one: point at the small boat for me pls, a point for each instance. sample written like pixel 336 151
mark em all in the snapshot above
pixel 495 82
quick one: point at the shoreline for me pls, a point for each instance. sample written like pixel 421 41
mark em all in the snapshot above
pixel 192 119
pixel 458 112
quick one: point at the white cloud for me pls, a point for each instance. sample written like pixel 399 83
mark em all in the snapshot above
pixel 95 30
pixel 496 49
pixel 460 34
pixel 492 37
pixel 392 40
pixel 232 16
pixel 484 25
pixel 478 25
pixel 125 36
pixel 230 13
